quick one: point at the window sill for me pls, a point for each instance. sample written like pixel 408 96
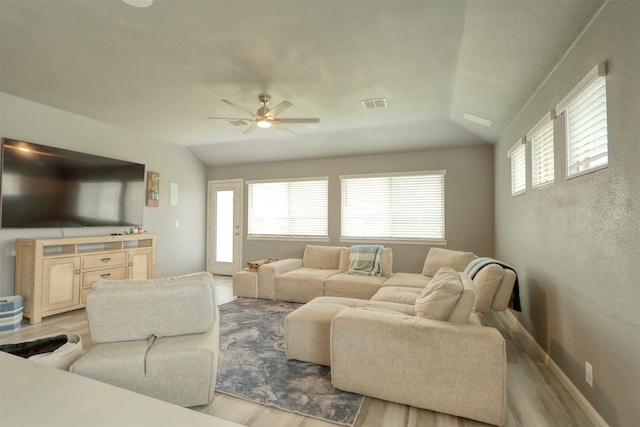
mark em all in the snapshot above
pixel 290 238
pixel 395 241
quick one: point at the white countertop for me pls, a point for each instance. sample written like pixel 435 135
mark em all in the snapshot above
pixel 36 395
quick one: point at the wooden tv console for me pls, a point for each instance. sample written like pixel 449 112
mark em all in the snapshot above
pixel 55 275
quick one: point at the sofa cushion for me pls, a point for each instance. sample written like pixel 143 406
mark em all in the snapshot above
pixel 386 262
pixel 321 257
pixel 180 369
pixel 408 309
pixel 440 296
pixel 438 258
pixel 398 294
pixel 407 280
pixel 344 260
pixel 505 291
pixel 302 285
pixel 352 285
pixel 463 308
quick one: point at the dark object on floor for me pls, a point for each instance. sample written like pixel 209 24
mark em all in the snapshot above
pixel 30 348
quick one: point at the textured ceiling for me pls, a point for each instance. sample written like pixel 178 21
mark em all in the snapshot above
pixel 162 70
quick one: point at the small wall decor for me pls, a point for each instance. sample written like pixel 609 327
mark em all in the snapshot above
pixel 153 189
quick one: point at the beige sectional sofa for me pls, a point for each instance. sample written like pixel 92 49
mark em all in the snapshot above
pixel 322 271
pixel 401 337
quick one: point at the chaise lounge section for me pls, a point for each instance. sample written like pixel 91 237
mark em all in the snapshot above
pixel 458 369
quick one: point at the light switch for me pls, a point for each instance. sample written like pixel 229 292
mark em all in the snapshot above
pixel 176 224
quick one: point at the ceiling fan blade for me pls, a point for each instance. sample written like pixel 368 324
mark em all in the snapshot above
pixel 251 113
pixel 283 128
pixel 301 120
pixel 279 108
pixel 251 128
pixel 232 118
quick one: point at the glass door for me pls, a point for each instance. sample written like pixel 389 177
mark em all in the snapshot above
pixel 224 227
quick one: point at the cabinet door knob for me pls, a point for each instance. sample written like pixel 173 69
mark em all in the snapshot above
pixel 77 271
pixel 131 264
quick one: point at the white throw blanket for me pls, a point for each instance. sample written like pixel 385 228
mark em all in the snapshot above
pixel 365 260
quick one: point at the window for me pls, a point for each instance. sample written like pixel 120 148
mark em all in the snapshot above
pixel 518 168
pixel 585 110
pixel 296 208
pixel 399 207
pixel 542 162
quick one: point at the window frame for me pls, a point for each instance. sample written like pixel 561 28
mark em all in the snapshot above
pixel 537 136
pixel 440 239
pixel 287 237
pixel 574 169
pixel 518 152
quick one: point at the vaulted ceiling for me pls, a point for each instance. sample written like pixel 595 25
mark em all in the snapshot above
pixel 162 70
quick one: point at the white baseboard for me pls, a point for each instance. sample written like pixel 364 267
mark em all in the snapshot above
pixel 584 404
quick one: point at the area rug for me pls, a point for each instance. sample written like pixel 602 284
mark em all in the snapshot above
pixel 253 365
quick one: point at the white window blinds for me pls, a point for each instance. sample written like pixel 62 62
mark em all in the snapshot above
pixel 585 111
pixel 542 158
pixel 518 168
pixel 405 206
pixel 296 208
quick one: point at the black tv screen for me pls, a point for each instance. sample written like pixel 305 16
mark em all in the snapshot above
pixel 44 186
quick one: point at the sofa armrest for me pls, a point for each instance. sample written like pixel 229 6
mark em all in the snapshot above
pixel 267 275
pixel 459 369
pixel 505 289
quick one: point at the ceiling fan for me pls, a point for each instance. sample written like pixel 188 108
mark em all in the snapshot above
pixel 266 117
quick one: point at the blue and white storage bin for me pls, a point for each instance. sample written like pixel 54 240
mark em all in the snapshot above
pixel 10 313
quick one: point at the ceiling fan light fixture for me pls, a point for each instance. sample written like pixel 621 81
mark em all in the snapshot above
pixel 138 3
pixel 264 124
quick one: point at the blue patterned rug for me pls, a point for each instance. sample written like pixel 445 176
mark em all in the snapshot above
pixel 253 365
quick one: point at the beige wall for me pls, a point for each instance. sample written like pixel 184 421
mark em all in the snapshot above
pixel 468 198
pixel 178 250
pixel 576 244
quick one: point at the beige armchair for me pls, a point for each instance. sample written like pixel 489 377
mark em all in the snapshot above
pixel 157 337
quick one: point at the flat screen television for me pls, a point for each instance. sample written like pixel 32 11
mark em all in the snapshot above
pixel 45 186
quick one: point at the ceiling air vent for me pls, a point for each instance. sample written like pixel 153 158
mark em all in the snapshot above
pixel 375 103
pixel 237 122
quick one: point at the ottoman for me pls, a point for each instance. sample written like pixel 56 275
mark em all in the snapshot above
pixel 307 330
pixel 245 283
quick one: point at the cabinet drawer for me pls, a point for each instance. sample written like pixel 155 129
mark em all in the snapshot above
pixel 114 273
pixel 103 260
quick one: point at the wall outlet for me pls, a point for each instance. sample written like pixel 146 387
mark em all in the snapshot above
pixel 588 369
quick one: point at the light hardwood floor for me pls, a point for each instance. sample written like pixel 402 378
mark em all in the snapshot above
pixel 535 397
